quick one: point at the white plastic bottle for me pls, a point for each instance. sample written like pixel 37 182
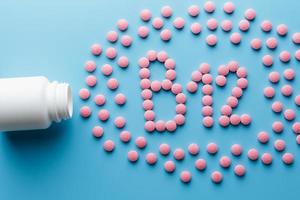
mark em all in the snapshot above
pixel 29 103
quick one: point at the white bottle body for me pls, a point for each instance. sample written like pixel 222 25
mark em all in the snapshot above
pixel 29 103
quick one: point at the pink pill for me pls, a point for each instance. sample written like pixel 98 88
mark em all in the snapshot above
pixel 141 142
pixel 148 105
pixel 239 170
pixel 125 136
pixel 245 119
pixel 166 11
pixel 97 131
pixel 226 25
pixel 224 120
pixel 109 145
pixel 91 80
pixel 209 7
pixel 229 7
pixel 287 90
pixel 196 28
pixel 233 66
pixel 193 149
pixel 200 164
pixel 155 86
pixel 296 38
pixel 269 92
pixel 212 24
pixel 171 125
pixel 193 10
pixel 103 115
pixel 123 62
pixel 126 40
pixel 151 158
pixel 143 31
pixel 160 126
pixel 207 100
pixel 99 99
pixel 237 92
pixel 211 40
pixel 96 49
pixel 149 126
pixel 271 43
pixel 296 127
pixel 256 44
pixel 232 101
pixel 244 25
pixel 112 83
pixel 170 74
pixel 289 74
pixel 236 150
pixel 143 62
pixel 266 26
pixel 85 111
pixel 216 177
pixel 180 98
pixel 241 72
pixel 277 107
pixel 277 127
pixel 146 94
pixel 178 23
pixel 120 99
pixel 122 25
pixel 274 77
pixel 223 70
pixel 289 114
pixel 144 73
pixel 252 154
pixel 279 145
pixel 250 14
pixel 225 162
pixel 151 55
pixel 166 84
pixel 180 109
pixel 212 148
pixel 204 68
pixel 235 119
pixel 157 23
pixel 90 66
pixel 162 56
pixel 185 176
pixel 176 88
pixel 226 110
pixel 284 56
pixel 207 89
pixel 297 100
pixel 164 149
pixel 145 15
pixel 179 154
pixel 207 79
pixel 179 119
pixel 242 83
pixel 165 35
pixel 263 137
pixel 169 63
pixel 298 139
pixel 132 156
pixel 297 55
pixel 235 38
pixel 106 69
pixel 169 166
pixel 112 36
pixel 267 60
pixel 111 53
pixel 149 115
pixel 221 80
pixel 266 158
pixel 84 94
pixel 207 111
pixel 288 158
pixel 282 29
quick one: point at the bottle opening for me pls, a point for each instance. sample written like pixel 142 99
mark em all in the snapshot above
pixel 70 102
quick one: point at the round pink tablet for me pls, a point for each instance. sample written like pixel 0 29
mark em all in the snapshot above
pixel 170 74
pixel 157 23
pixel 271 43
pixel 85 111
pixel 256 44
pixel 212 148
pixel 122 24
pixel 155 86
pixel 111 52
pixel 297 100
pixel 143 62
pixel 151 158
pixel 266 158
pixel 207 79
pixel 239 170
pixel 279 145
pixel 296 38
pixel 123 62
pixel 97 131
pixel 211 40
pixel 103 115
pixel 277 127
pixel 277 107
pixel 236 92
pixel 242 83
pixel 221 80
pixel 267 60
pixel 169 63
pixel 289 114
pixel 235 38
pixel 132 156
pixel 179 23
pixel 112 36
pixel 274 77
pixel 228 7
pixel 224 120
pixel 225 162
pixel 145 15
pixel 252 154
pixel 106 69
pixel 269 92
pixel 207 89
pixel 288 158
pixel 207 111
pixel 233 66
pixel 166 84
pixel 266 26
pixel 178 154
pixel 223 70
pixel 236 150
pixel 146 94
pixel 196 28
pixel 99 99
pixel 166 11
pixel 216 177
pixel 120 99
pixel 185 176
pixel 125 136
pixel 149 115
pixel 179 119
pixel 171 125
pixel 96 49
pixel 112 83
pixel 297 55
pixel 126 40
pixel 148 105
pixel 209 7
pixel 164 149
pixel 180 98
pixel 194 10
pixel 91 80
pixel 244 25
pixel 151 55
pixel 235 119
pixel 212 24
pixel 245 119
pixel 250 14
pixel 84 94
pixel 241 72
pixel 169 166
pixel 90 66
pixel 193 149
pixel 144 73
pixel 298 139
pixel 141 142
pixel 149 126
pixel 282 29
pixel 143 31
pixel 289 74
pixel 263 137
pixel 296 127
pixel 162 56
pixel 208 121
pixel 109 145
pixel 226 110
pixel 160 126
pixel 180 109
pixel 226 25
pixel 284 56
pixel 204 68
pixel 176 88
pixel 165 35
pixel 287 90
pixel 200 164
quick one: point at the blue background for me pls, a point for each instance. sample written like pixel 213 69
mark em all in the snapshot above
pixel 53 38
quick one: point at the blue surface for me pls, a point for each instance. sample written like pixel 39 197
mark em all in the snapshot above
pixel 52 38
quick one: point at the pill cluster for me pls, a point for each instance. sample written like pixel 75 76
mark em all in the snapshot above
pixel 201 76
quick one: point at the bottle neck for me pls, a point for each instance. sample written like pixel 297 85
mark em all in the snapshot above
pixel 59 101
